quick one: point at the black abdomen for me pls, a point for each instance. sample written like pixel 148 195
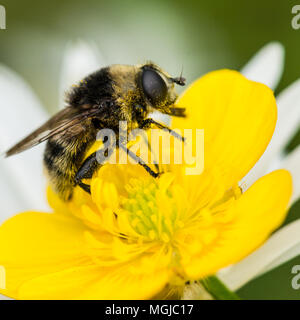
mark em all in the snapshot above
pixel 62 159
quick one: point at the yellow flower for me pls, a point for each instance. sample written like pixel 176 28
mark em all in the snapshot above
pixel 135 235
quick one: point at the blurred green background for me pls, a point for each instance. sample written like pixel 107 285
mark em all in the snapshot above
pixel 197 35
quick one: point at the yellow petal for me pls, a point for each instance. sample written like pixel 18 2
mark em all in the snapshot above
pixel 238 117
pixel 255 215
pixel 33 243
pixel 92 282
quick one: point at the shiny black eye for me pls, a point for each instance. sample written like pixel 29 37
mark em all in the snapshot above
pixel 154 86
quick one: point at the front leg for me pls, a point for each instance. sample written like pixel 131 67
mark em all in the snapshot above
pixel 140 161
pixel 147 123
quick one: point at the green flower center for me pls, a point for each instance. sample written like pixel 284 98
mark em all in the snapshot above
pixel 144 213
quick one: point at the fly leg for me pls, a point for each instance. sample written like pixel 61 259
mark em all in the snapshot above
pixel 146 124
pixel 86 171
pixel 90 165
pixel 140 161
pixel 150 150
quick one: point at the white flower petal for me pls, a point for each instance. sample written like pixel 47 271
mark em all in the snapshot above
pixel 288 121
pixel 21 113
pixel 267 65
pixel 286 256
pixel 279 248
pixel 20 108
pixel 12 200
pixel 80 59
pixel 195 291
pixel 292 163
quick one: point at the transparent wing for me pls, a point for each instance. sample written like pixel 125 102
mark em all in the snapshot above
pixel 65 119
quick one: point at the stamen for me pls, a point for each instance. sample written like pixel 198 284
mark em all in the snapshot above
pixel 144 215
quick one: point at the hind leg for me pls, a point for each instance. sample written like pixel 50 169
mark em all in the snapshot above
pixel 86 171
pixel 92 163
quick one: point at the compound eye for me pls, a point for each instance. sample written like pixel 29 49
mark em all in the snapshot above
pixel 154 86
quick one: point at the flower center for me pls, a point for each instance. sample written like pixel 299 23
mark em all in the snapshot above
pixel 146 213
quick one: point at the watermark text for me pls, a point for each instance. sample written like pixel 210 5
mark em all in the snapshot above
pixel 153 147
pixel 296 279
pixel 2 18
pixel 296 19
